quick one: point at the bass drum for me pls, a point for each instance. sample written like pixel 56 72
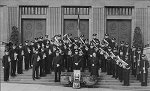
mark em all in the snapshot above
pixel 89 80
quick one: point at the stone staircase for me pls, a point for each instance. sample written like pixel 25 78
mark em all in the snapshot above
pixel 105 81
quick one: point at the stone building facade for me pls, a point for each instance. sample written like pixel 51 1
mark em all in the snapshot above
pixel 36 18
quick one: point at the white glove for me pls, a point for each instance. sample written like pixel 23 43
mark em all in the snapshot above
pixel 76 63
pixel 90 55
pixel 57 65
pixel 92 64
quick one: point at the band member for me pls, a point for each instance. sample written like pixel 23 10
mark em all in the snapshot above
pixel 35 60
pixel 102 58
pixel 107 40
pixel 20 59
pixel 6 65
pixel 94 64
pixel 70 37
pixel 32 48
pixel 109 62
pixel 113 43
pixel 144 65
pixel 90 53
pixel 86 47
pixel 45 41
pixel 69 61
pixel 76 42
pixel 48 59
pixel 126 72
pixel 133 59
pixel 81 60
pixel 42 62
pixel 57 62
pixel 94 40
pixel 116 67
pixel 76 61
pixel 122 56
pixel 27 55
pixel 138 59
pixel 13 57
pixel 127 50
pixel 35 43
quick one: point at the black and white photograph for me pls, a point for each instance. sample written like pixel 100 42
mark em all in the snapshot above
pixel 74 45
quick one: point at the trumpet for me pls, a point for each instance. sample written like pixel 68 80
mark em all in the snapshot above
pixel 106 41
pixel 69 39
pixel 82 41
pixel 122 63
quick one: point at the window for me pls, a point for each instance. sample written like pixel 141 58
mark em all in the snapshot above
pixel 119 11
pixel 33 10
pixel 75 10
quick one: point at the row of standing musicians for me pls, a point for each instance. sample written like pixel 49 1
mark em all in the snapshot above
pixel 63 53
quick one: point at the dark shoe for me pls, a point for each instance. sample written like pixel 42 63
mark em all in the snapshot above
pixel 37 77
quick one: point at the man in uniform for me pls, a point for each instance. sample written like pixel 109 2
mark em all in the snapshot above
pixel 95 38
pixel 14 58
pixel 94 64
pixel 122 56
pixel 20 59
pixel 45 41
pixel 57 62
pixel 107 40
pixel 69 61
pixel 90 53
pixel 133 59
pixel 138 59
pixel 42 62
pixel 126 71
pixel 6 65
pixel 48 59
pixel 27 55
pixel 35 60
pixel 76 60
pixel 144 65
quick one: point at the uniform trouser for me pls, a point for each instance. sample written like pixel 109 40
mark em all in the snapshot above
pixel 19 66
pixel 26 63
pixel 126 77
pixel 117 71
pixel 30 61
pixel 48 65
pixel 6 73
pixel 13 67
pixel 113 69
pixel 108 67
pixel 134 69
pixel 121 74
pixel 42 67
pixel 94 71
pixel 144 78
pixel 57 73
pixel 103 64
pixel 35 72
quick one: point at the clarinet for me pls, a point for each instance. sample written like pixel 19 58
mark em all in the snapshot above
pixel 134 61
pixel 144 72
